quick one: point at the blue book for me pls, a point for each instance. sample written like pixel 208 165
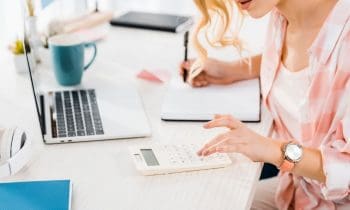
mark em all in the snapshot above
pixel 36 195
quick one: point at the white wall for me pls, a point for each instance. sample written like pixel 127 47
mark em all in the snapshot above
pixel 10 21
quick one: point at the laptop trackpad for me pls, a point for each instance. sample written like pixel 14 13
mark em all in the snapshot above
pixel 122 112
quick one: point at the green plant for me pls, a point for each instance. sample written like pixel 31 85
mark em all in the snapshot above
pixel 17 47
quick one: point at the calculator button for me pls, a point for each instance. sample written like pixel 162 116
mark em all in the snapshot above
pixel 184 157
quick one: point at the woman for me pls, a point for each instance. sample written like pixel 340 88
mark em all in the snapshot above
pixel 304 72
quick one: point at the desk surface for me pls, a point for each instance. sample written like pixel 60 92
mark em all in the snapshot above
pixel 103 174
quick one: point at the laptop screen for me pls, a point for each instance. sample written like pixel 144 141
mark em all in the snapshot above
pixel 31 62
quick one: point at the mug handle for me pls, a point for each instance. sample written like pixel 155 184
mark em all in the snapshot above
pixel 94 55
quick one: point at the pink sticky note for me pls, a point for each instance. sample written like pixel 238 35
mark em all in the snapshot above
pixel 154 76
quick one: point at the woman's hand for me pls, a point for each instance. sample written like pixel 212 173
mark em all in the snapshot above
pixel 222 73
pixel 214 72
pixel 241 139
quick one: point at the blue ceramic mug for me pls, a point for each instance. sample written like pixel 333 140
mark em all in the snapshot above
pixel 68 58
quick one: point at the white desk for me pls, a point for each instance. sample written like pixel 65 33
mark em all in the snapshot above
pixel 103 174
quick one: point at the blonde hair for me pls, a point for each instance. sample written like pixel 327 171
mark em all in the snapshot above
pixel 216 21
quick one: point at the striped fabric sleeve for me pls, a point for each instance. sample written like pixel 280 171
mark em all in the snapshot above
pixel 336 166
pixel 336 162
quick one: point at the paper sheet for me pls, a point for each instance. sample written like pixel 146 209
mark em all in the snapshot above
pixel 183 102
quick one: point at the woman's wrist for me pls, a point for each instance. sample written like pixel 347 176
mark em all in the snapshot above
pixel 239 70
pixel 242 70
pixel 274 153
pixel 222 68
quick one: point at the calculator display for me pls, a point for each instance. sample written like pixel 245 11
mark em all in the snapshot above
pixel 149 157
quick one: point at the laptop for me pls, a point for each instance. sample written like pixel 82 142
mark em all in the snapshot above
pixel 103 111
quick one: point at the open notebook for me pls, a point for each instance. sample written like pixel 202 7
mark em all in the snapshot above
pixel 184 103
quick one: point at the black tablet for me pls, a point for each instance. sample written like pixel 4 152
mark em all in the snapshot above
pixel 154 21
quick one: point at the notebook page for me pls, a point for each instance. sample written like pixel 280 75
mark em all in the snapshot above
pixel 183 102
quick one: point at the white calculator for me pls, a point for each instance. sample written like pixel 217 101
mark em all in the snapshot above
pixel 165 159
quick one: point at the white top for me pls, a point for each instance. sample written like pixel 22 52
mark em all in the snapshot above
pixel 289 94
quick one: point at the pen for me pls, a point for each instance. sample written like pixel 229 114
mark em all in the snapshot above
pixel 96 6
pixel 185 73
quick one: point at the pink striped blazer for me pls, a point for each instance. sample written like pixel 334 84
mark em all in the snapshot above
pixel 326 111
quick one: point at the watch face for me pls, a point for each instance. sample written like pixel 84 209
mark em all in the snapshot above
pixel 293 152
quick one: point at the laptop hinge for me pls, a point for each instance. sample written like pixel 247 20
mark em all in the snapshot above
pixel 42 116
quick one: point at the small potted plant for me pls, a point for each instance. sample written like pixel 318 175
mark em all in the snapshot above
pixel 19 57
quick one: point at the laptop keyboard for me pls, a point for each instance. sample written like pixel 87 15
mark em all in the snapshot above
pixel 77 114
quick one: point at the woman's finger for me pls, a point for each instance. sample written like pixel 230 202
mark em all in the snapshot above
pixel 188 64
pixel 209 152
pixel 228 122
pixel 217 140
pixel 218 116
pixel 229 148
pixel 196 83
pixel 218 81
pixel 181 71
pixel 213 148
pixel 229 140
pixel 185 66
pixel 199 81
pixel 199 77
pixel 204 83
pixel 235 147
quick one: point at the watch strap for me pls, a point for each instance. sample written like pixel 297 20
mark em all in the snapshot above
pixel 287 166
